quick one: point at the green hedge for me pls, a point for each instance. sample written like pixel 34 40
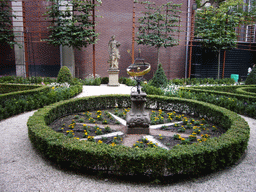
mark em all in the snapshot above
pixel 228 91
pixel 8 88
pixel 250 90
pixel 18 102
pixel 214 154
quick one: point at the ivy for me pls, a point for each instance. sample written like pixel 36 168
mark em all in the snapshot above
pixel 6 31
pixel 158 25
pixel 72 23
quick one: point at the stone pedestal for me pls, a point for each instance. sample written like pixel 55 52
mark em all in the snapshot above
pixel 138 120
pixel 113 77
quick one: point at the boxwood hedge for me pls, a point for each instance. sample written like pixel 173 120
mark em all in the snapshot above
pixel 229 91
pixel 214 154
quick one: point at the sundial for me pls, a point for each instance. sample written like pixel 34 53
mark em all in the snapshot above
pixel 137 119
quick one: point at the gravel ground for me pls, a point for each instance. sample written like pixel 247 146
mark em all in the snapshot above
pixel 23 169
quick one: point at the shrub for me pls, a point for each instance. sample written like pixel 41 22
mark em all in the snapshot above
pixel 251 79
pixel 159 80
pixel 150 90
pixel 104 80
pixel 64 75
pixel 211 155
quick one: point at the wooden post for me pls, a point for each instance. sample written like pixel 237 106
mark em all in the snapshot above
pixel 93 46
pixel 190 43
pixel 133 31
pixel 25 39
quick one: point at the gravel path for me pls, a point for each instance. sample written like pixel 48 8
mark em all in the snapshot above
pixel 23 169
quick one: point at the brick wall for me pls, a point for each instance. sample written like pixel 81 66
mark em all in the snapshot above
pixel 117 20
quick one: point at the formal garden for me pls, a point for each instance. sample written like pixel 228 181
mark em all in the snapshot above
pixel 195 124
pixel 190 129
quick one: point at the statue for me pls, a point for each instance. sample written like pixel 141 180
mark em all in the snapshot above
pixel 113 53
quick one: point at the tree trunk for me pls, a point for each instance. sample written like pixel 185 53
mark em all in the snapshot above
pixel 218 65
pixel 158 60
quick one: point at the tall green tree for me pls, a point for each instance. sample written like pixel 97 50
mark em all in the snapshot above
pixel 159 25
pixel 72 23
pixel 6 30
pixel 215 26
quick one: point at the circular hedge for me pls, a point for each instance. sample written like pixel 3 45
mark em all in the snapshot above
pixel 214 154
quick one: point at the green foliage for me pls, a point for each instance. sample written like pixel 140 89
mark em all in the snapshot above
pixel 216 26
pixel 159 80
pixel 72 29
pixel 225 96
pixel 91 81
pixel 6 31
pixel 64 75
pixel 211 155
pixel 158 25
pixel 151 90
pixel 5 88
pixel 17 102
pixel 27 80
pixel 251 79
pixel 104 80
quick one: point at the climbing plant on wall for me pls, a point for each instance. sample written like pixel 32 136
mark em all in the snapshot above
pixel 72 22
pixel 6 31
pixel 159 25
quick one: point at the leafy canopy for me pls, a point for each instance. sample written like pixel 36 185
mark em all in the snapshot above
pixel 6 31
pixel 215 26
pixel 159 24
pixel 72 23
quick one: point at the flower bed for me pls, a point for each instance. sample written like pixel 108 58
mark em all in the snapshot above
pixel 97 125
pixel 214 154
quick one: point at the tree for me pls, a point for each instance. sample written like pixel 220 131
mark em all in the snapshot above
pixel 159 80
pixel 159 25
pixel 69 29
pixel 64 75
pixel 6 31
pixel 215 26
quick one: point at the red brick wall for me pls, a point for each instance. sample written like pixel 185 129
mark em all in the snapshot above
pixel 117 20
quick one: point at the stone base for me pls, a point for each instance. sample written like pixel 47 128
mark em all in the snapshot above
pixel 113 77
pixel 137 130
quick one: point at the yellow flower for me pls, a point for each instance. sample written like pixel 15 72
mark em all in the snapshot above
pixel 100 141
pixel 53 88
pixel 182 139
pixel 160 135
pixel 84 125
pixel 76 138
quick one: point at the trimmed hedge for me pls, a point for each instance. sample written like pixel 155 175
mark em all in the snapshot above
pixel 18 102
pixel 214 154
pixel 8 88
pixel 247 90
pixel 232 91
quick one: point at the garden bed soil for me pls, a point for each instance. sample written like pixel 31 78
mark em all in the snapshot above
pixel 76 125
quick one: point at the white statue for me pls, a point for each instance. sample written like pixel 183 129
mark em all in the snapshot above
pixel 113 53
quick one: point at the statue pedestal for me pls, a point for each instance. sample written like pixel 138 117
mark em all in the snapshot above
pixel 113 77
pixel 138 120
